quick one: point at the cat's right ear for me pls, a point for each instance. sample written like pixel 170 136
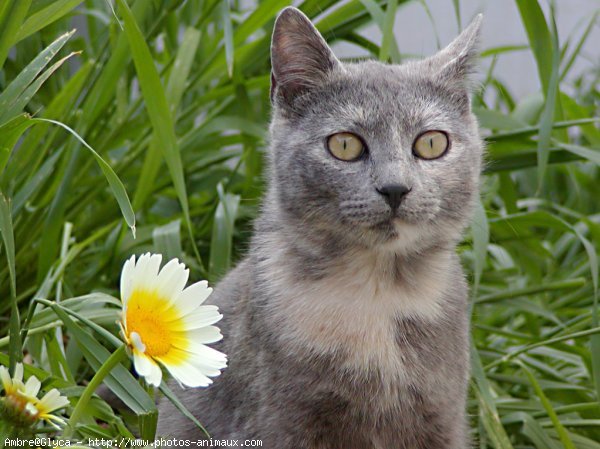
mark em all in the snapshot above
pixel 300 57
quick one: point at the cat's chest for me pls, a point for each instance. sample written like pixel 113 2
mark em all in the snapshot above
pixel 354 313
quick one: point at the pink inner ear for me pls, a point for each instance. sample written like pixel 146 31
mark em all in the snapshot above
pixel 300 56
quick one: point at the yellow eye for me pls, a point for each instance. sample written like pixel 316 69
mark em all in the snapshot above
pixel 345 146
pixel 431 144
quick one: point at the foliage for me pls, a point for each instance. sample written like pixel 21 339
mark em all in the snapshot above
pixel 154 117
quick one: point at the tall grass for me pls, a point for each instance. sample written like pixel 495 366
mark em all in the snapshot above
pixel 145 130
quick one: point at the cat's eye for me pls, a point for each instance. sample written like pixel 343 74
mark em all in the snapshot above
pixel 345 146
pixel 431 144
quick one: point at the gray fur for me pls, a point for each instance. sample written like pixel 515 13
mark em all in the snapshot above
pixel 346 324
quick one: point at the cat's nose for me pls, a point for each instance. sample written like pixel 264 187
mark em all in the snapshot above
pixel 394 194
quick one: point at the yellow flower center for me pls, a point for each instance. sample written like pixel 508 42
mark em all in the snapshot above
pixel 157 322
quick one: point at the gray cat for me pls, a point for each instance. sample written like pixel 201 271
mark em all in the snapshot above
pixel 346 324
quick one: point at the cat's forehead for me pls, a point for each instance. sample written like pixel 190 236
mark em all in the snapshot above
pixel 371 93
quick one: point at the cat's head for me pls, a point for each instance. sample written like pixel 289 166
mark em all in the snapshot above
pixel 380 154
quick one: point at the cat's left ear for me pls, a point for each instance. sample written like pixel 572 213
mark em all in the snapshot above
pixel 300 57
pixel 455 64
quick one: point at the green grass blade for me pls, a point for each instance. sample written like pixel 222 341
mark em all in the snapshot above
pixel 388 30
pixel 585 153
pixel 539 37
pixel 380 18
pixel 22 100
pixel 181 67
pixel 456 6
pixel 228 32
pixel 481 236
pixel 560 429
pixel 10 133
pixel 167 240
pixel 103 90
pixel 262 14
pixel 548 113
pixel 29 73
pixel 13 14
pixel 117 187
pixel 181 407
pixel 490 417
pixel 222 233
pixel 175 88
pixel 6 228
pixel 577 50
pixel 32 149
pixel 158 108
pixel 45 17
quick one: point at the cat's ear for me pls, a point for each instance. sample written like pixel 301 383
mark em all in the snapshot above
pixel 455 64
pixel 300 57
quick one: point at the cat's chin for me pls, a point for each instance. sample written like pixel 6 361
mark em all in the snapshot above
pixel 401 236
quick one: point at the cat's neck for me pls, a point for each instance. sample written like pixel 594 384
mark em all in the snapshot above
pixel 316 252
pixel 323 296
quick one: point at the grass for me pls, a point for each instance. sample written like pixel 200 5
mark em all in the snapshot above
pixel 150 121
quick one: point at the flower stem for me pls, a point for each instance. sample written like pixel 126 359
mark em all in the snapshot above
pixel 85 397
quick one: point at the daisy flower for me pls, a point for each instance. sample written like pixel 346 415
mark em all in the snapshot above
pixel 21 402
pixel 165 323
pixel 43 408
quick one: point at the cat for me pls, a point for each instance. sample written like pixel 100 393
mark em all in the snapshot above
pixel 346 324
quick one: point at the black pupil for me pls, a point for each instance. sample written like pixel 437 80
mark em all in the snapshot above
pixel 345 143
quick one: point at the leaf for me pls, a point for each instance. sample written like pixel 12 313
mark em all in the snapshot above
pixel 489 414
pixel 181 407
pixel 18 86
pixel 492 119
pixel 12 14
pixel 577 50
pixel 167 240
pixel 585 153
pixel 539 37
pixel 6 229
pixel 17 106
pixel 548 113
pixel 175 88
pixel 226 15
pixel 560 429
pixel 114 182
pixel 10 133
pixel 222 233
pixel 481 236
pixel 44 17
pixel 158 109
pixel 380 17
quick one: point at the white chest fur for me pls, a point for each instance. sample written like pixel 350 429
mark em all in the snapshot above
pixel 353 310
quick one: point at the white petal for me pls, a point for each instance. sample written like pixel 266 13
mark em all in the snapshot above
pixel 142 363
pixel 137 342
pixel 206 354
pixel 155 375
pixel 31 409
pixel 172 279
pixel 146 271
pixel 208 334
pixel 189 375
pixel 202 316
pixel 18 372
pixel 192 297
pixel 127 279
pixel 53 400
pixel 32 386
pixel 5 377
pixel 208 368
